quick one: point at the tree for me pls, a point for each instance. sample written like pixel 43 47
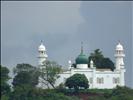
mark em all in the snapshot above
pixel 21 92
pixel 73 65
pixel 100 61
pixel 97 57
pixel 26 74
pixel 50 72
pixel 107 63
pixel 27 93
pixel 77 81
pixel 5 88
pixel 23 67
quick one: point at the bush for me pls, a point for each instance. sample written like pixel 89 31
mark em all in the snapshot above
pixel 121 93
pixel 97 98
pixel 29 93
pixel 76 82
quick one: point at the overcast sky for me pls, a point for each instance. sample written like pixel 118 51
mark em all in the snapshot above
pixel 62 26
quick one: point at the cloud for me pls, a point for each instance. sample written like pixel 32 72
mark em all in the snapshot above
pixel 26 22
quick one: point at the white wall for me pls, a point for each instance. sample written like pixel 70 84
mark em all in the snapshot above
pixel 106 75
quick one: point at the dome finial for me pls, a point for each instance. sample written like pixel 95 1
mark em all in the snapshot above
pixel 119 42
pixel 81 47
pixel 42 47
pixel 41 42
pixel 119 46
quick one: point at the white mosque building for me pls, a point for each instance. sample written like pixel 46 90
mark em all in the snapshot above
pixel 98 78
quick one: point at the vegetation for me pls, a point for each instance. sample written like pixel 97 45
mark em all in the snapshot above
pixel 77 81
pixel 50 72
pixel 26 74
pixel 119 93
pixel 24 89
pixel 28 93
pixel 5 88
pixel 100 61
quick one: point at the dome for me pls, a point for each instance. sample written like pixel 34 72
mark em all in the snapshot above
pixel 41 47
pixel 119 47
pixel 82 59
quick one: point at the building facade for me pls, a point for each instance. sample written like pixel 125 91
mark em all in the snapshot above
pixel 98 78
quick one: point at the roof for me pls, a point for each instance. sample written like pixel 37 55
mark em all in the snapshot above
pixel 119 46
pixel 41 47
pixel 82 59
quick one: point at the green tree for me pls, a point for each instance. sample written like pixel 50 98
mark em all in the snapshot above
pixel 77 81
pixel 5 88
pixel 26 74
pixel 121 93
pixel 73 65
pixel 29 93
pixel 97 57
pixel 107 63
pixel 21 92
pixel 50 73
pixel 100 61
pixel 23 67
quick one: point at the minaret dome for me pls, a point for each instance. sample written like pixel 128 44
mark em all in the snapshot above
pixel 119 46
pixel 41 47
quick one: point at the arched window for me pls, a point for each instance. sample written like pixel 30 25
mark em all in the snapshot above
pixel 116 80
pixel 100 80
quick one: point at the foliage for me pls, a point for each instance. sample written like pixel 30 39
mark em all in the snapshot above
pixel 5 88
pixel 4 97
pixel 107 63
pixel 30 93
pixel 50 72
pixel 97 98
pixel 77 81
pixel 73 65
pixel 59 96
pixel 25 74
pixel 119 93
pixel 97 57
pixel 100 61
pixel 61 86
pixel 23 67
pixel 21 92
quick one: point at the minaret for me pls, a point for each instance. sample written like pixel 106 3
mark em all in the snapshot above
pixel 42 54
pixel 70 64
pixel 119 55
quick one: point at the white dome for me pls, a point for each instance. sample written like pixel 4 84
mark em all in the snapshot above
pixel 119 47
pixel 69 62
pixel 41 47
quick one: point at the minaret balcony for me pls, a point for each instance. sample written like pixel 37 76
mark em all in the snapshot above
pixel 119 55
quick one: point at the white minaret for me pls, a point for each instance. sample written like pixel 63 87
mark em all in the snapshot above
pixel 119 55
pixel 41 59
pixel 70 64
pixel 42 54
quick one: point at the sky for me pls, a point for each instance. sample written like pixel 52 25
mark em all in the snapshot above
pixel 62 25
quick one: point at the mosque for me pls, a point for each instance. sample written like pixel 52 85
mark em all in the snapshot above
pixel 98 78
